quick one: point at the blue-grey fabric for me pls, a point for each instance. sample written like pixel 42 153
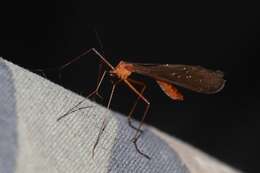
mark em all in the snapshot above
pixel 8 124
pixel 33 141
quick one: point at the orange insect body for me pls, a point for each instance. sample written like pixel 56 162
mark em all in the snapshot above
pixel 170 90
pixel 122 70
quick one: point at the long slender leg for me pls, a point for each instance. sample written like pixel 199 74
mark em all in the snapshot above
pixel 105 121
pixel 75 108
pixel 98 86
pixel 85 53
pixel 102 58
pixel 137 134
pixel 100 71
pixel 101 65
pixel 136 101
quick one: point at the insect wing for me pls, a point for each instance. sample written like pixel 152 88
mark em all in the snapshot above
pixel 195 78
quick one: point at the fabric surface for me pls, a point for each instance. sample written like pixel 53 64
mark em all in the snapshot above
pixel 33 141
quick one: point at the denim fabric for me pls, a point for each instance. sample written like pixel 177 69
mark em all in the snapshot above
pixel 32 140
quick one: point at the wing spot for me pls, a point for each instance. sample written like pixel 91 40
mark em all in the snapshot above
pixel 189 77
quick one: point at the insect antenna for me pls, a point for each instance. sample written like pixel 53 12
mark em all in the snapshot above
pixel 101 46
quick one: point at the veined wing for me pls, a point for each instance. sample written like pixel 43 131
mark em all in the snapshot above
pixel 195 78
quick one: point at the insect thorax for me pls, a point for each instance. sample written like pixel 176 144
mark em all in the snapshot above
pixel 122 70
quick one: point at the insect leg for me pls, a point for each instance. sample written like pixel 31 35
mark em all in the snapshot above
pixel 105 121
pixel 136 101
pixel 85 53
pixel 138 134
pixel 75 108
pixel 60 68
pixel 102 59
pixel 95 92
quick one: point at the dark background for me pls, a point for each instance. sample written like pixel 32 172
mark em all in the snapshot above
pixel 225 125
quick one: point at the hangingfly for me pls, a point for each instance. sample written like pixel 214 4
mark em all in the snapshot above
pixel 195 78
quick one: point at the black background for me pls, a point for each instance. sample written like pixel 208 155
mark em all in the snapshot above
pixel 225 125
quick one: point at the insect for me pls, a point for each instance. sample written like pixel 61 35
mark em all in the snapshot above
pixel 195 78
